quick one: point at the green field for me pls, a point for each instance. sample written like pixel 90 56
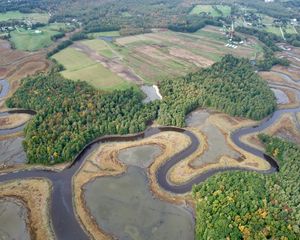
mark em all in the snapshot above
pixel 32 40
pixel 60 27
pixel 276 30
pixel 16 15
pixel 80 67
pixel 29 40
pixel 289 29
pixel 161 55
pixel 267 20
pixel 153 57
pixel 100 47
pixel 273 29
pixel 209 9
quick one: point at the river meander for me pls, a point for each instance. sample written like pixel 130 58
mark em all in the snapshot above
pixel 65 223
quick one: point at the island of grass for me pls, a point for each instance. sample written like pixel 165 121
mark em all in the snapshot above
pixel 79 66
pixel 213 10
pixel 78 113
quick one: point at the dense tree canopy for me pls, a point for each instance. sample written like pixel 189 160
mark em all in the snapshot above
pixel 193 23
pixel 71 114
pixel 230 85
pixel 247 205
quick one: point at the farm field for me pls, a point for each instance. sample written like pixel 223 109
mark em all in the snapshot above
pixel 214 11
pixel 16 15
pixel 104 34
pixel 148 58
pixel 167 54
pixel 100 46
pixel 80 67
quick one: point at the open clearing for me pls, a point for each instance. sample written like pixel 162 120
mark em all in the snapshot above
pixel 80 67
pixel 213 10
pixel 16 15
pixel 32 40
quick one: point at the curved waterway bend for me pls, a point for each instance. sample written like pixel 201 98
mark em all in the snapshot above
pixel 64 220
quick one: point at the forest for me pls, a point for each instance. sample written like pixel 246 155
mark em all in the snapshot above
pixel 194 23
pixel 230 86
pixel 248 205
pixel 71 114
pixel 277 9
pixel 125 16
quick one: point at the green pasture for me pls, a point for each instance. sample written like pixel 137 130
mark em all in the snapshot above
pixel 209 9
pixel 80 67
pixel 32 40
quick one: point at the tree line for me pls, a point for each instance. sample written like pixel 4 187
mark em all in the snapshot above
pixel 194 23
pixel 71 114
pixel 230 86
pixel 248 205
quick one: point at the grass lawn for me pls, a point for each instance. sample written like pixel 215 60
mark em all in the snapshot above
pixel 225 10
pixel 32 40
pixel 29 40
pixel 16 15
pixel 60 27
pixel 289 29
pixel 80 67
pixel 267 19
pixel 273 29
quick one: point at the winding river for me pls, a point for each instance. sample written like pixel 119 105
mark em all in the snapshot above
pixel 65 222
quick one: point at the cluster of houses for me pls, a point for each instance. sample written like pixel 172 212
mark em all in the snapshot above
pixel 12 25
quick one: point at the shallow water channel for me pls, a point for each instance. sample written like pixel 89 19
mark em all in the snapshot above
pixel 281 97
pixel 125 207
pixel 152 93
pixel 13 217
